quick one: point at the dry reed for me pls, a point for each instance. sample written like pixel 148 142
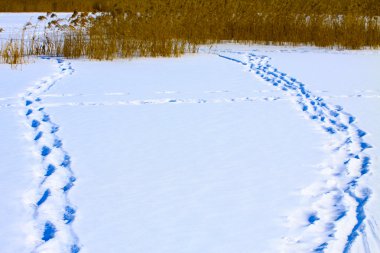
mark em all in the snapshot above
pixel 359 7
pixel 155 28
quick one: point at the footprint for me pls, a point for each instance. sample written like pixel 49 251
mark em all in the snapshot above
pixel 54 129
pixel 50 170
pixel 35 123
pixel 57 143
pixel 364 145
pixel 75 249
pixel 69 214
pixel 330 130
pixel 49 231
pixel 38 136
pixel 28 112
pixel 361 133
pixel 351 119
pixel 321 248
pixel 66 161
pixel 46 118
pixel 365 165
pixel 334 113
pixel 69 184
pixel 312 218
pixel 45 151
pixel 44 197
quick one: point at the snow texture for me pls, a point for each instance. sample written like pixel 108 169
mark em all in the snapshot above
pixel 338 201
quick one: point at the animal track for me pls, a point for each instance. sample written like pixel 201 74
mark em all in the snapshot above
pixel 338 200
pixel 53 213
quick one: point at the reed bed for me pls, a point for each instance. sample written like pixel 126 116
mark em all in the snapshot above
pixel 168 28
pixel 360 7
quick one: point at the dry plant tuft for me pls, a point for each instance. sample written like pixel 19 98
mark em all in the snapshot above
pixel 12 53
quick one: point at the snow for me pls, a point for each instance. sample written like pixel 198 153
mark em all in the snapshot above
pixel 355 85
pixel 16 161
pixel 180 176
pixel 234 149
pixel 352 226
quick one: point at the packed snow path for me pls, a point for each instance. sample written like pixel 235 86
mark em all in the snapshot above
pixel 53 212
pixel 336 216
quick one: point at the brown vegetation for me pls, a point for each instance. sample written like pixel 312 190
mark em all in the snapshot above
pixel 171 27
pixel 360 7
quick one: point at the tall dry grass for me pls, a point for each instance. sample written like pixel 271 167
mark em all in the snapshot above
pixel 32 42
pixel 361 7
pixel 155 28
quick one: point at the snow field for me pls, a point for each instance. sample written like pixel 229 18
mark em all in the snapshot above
pixel 240 149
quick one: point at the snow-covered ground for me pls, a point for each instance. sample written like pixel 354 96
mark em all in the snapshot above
pixel 234 149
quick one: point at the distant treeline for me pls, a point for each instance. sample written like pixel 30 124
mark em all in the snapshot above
pixel 359 7
pixel 172 27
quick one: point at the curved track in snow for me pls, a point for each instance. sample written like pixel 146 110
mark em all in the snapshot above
pixel 53 213
pixel 336 215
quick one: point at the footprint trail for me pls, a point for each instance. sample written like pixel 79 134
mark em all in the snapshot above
pixel 335 216
pixel 53 214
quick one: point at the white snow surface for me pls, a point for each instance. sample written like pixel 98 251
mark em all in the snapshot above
pixel 234 149
pixel 183 159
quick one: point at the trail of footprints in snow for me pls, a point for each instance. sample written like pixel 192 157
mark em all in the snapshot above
pixel 360 94
pixel 53 213
pixel 162 101
pixel 336 216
